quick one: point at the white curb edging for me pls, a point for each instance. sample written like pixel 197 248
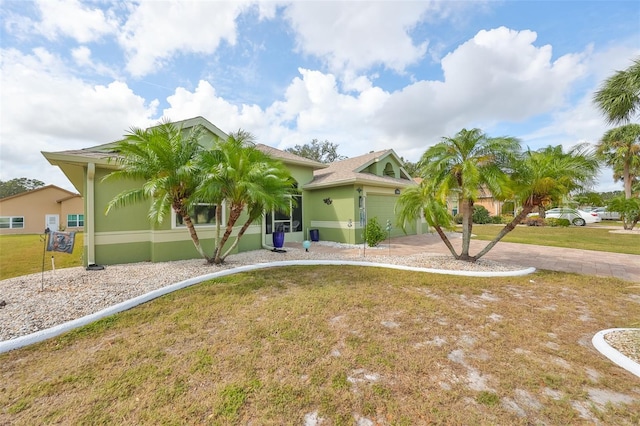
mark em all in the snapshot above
pixel 613 354
pixel 59 329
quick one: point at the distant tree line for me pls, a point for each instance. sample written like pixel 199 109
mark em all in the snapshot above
pixel 322 152
pixel 18 185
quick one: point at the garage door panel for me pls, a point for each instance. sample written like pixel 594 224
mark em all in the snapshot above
pixel 382 207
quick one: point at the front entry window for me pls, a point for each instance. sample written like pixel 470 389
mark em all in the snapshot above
pixel 284 222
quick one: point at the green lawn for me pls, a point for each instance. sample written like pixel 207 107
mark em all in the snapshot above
pixel 23 254
pixel 279 346
pixel 577 237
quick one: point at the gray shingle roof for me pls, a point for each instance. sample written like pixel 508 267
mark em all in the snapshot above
pixel 350 171
pixel 288 157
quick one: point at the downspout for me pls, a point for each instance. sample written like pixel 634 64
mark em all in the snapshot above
pixel 263 232
pixel 91 218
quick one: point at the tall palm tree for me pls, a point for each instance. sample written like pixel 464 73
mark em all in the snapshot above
pixel 535 178
pixel 164 158
pixel 619 96
pixel 462 166
pixel 620 149
pixel 237 173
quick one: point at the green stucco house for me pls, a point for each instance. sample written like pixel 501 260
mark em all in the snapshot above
pixel 333 204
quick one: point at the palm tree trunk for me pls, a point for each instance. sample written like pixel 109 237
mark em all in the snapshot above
pixel 627 180
pixel 235 243
pixel 446 241
pixel 467 224
pixel 192 232
pixel 508 228
pixel 218 228
pixel 234 214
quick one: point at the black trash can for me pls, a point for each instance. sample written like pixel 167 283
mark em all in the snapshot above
pixel 314 234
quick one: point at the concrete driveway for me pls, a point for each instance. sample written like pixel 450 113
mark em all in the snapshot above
pixel 624 266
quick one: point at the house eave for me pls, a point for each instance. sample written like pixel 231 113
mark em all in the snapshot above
pixel 358 181
pixel 58 158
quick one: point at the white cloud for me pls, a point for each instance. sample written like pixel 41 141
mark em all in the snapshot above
pixel 357 35
pixel 45 108
pixel 156 31
pixel 313 107
pixel 70 18
pixel 498 76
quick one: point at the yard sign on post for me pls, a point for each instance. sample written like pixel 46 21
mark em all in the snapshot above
pixel 61 241
pixel 58 241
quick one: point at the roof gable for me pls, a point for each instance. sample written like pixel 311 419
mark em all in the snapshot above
pixel 361 169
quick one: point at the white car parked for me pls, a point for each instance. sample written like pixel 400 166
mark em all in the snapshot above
pixel 576 217
pixel 606 214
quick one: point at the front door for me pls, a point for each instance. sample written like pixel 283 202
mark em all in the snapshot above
pixel 52 222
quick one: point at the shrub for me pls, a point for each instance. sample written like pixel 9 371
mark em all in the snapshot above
pixel 550 221
pixel 480 215
pixel 506 218
pixel 374 234
pixel 534 221
pixel 495 219
pixel 458 218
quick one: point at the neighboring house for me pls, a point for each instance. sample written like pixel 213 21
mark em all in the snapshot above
pixel 126 234
pixel 31 212
pixel 487 201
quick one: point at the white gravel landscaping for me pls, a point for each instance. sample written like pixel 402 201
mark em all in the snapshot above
pixel 34 303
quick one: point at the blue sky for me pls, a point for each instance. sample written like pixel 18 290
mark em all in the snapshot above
pixel 365 75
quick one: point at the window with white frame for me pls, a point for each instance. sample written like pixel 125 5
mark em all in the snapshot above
pixel 11 222
pixel 286 222
pixel 201 215
pixel 75 220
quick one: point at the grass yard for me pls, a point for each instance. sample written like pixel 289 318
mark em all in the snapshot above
pixel 290 345
pixel 578 237
pixel 22 255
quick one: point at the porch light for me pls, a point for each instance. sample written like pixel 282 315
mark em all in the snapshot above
pixel 397 191
pixel 328 201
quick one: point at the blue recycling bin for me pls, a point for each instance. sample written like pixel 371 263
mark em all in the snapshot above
pixel 314 234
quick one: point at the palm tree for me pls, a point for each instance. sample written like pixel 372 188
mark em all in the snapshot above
pixel 545 177
pixel 164 158
pixel 462 166
pixel 535 178
pixel 237 173
pixel 619 96
pixel 416 201
pixel 620 149
pixel 629 209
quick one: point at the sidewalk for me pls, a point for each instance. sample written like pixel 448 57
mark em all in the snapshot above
pixel 624 266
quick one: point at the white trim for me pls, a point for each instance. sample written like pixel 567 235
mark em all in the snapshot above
pixel 167 236
pixel 90 218
pixel 49 333
pixel 335 224
pixel 613 354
